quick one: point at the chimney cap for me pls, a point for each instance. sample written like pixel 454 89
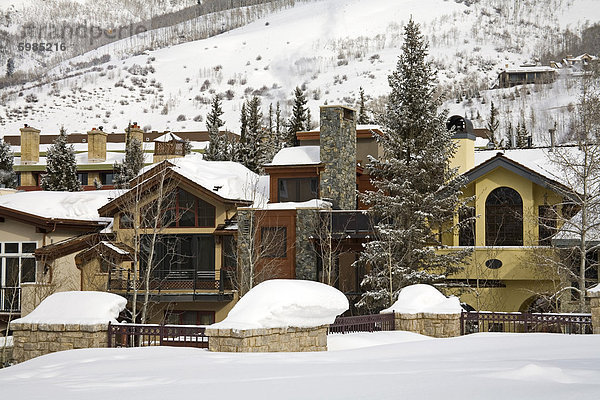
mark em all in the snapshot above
pixel 25 126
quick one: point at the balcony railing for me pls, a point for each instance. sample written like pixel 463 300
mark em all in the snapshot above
pixel 10 299
pixel 355 223
pixel 176 280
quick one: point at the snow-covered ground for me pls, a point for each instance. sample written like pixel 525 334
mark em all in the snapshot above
pixel 490 366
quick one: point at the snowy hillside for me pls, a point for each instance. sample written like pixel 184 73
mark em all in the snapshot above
pixel 330 48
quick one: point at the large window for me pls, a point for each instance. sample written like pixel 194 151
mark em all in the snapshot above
pixel 297 189
pixel 504 218
pixel 17 266
pixel 466 235
pixel 107 178
pixel 546 224
pixel 187 210
pixel 180 257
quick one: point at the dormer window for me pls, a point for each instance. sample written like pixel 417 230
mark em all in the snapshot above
pixel 297 189
pixel 191 211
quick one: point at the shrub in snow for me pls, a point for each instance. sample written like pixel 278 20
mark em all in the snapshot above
pixel 281 303
pixel 422 298
pixel 181 117
pixel 85 307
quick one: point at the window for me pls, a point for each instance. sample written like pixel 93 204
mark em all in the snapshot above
pixel 298 189
pixel 466 235
pixel 187 210
pixel 17 266
pixel 18 179
pixel 82 177
pixel 125 221
pixel 106 178
pixel 504 218
pixel 229 253
pixel 273 242
pixel 546 224
pixel 180 257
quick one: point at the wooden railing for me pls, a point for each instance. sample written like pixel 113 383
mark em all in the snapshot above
pixel 472 322
pixel 137 335
pixel 363 323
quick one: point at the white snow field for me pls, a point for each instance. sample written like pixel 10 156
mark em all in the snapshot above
pixel 481 366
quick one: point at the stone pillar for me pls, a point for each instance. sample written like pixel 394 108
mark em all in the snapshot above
pixel 289 339
pixel 338 155
pixel 306 258
pixel 595 305
pixel 135 132
pixel 434 325
pixel 30 145
pixel 96 145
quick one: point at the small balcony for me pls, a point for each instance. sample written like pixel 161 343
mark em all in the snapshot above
pixel 347 224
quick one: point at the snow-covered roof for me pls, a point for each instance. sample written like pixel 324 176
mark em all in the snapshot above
pixel 168 137
pixel 301 155
pixel 570 232
pixel 529 69
pixel 280 303
pixel 314 203
pixel 80 307
pixel 81 206
pixel 422 298
pixel 114 248
pixel 227 179
pixel 82 159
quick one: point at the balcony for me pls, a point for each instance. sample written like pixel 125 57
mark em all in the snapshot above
pixel 347 224
pixel 186 285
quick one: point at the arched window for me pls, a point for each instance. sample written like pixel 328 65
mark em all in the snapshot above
pixel 504 218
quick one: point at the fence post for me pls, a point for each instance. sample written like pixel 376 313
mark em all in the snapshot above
pixel 109 333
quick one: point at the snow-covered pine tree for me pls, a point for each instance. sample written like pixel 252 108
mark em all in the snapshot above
pixel 218 147
pixel 8 178
pixel 522 135
pixel 362 111
pixel 417 193
pixel 252 146
pixel 492 126
pixel 131 165
pixel 297 121
pixel 61 167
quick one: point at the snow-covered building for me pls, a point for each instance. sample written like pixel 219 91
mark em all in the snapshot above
pixel 526 75
pixel 31 220
pixel 96 152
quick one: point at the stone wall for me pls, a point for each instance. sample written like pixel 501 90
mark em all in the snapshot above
pixel 268 340
pixel 34 340
pixel 435 325
pixel 595 304
pixel 306 257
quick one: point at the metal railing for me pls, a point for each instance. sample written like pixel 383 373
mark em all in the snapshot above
pixel 353 223
pixel 363 323
pixel 485 321
pixel 191 280
pixel 137 335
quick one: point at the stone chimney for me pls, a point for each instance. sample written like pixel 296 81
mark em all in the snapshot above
pixel 96 139
pixel 338 156
pixel 136 132
pixel 30 145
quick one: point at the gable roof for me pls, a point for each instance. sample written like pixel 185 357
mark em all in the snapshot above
pixel 45 209
pixel 540 174
pixel 224 181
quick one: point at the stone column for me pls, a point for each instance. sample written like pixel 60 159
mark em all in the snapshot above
pixel 30 145
pixel 306 257
pixel 135 132
pixel 96 145
pixel 338 155
pixel 595 304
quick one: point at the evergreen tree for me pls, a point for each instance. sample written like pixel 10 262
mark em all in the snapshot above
pixel 362 111
pixel 10 67
pixel 61 167
pixel 8 178
pixel 509 136
pixel 297 121
pixel 218 146
pixel 417 193
pixel 493 125
pixel 522 135
pixel 278 122
pixel 131 165
pixel 252 145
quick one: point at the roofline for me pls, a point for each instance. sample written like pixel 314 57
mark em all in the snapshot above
pixel 69 246
pixel 44 222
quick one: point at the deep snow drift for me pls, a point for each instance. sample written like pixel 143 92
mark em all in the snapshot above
pixel 422 298
pixel 491 366
pixel 280 303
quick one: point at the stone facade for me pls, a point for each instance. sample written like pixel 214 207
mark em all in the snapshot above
pixel 268 340
pixel 137 133
pixel 435 325
pixel 34 340
pixel 595 304
pixel 306 257
pixel 338 156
